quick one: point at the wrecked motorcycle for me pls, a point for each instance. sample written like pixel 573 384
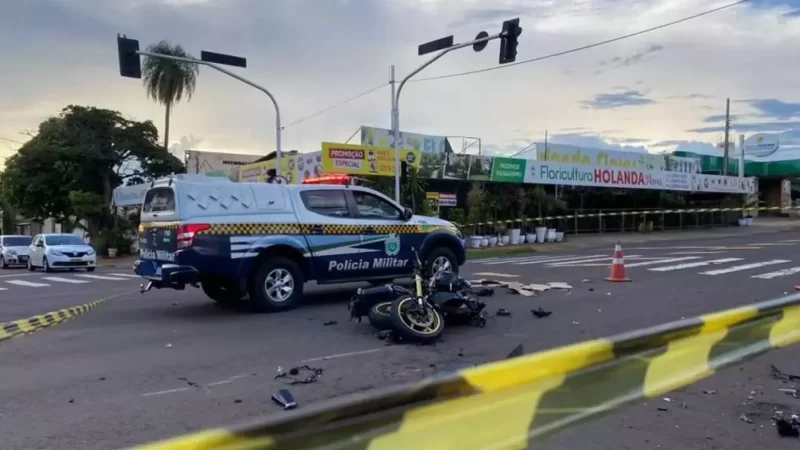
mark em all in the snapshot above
pixel 444 297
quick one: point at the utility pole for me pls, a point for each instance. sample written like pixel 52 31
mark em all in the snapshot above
pixel 727 134
pixel 508 53
pixel 130 66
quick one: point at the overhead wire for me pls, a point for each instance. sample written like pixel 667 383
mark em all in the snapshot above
pixel 585 47
pixel 336 105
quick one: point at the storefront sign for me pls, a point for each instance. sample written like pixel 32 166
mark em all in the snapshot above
pixel 381 137
pixel 612 159
pixel 363 160
pixel 721 183
pixel 510 170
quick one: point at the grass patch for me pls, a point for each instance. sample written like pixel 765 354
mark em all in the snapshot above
pixel 476 253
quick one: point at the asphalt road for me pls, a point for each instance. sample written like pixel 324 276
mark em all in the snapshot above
pixel 145 367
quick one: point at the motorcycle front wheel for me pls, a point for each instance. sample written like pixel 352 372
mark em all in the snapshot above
pixel 413 322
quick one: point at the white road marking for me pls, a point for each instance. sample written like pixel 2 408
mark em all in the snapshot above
pixel 590 260
pixel 694 264
pixel 65 280
pixel 696 253
pixel 217 383
pixel 558 259
pixel 779 273
pixel 101 277
pixel 169 391
pixel 26 283
pixel 498 275
pixel 342 355
pixel 745 267
pixel 523 259
pixel 661 261
pixel 3 289
pixel 126 275
pixel 17 275
pixel 774 244
pixel 716 247
pixel 483 260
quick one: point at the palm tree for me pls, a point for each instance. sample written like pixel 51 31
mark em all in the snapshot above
pixel 167 81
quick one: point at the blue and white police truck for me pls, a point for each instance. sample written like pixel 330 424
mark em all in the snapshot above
pixel 265 241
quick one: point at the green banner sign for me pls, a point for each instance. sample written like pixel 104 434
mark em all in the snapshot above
pixel 508 170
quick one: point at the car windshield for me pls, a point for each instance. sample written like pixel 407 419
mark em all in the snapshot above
pixel 21 241
pixel 64 239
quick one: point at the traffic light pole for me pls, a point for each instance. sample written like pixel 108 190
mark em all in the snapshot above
pixel 396 103
pixel 243 80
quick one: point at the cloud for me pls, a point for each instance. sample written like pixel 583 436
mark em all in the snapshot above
pixel 718 118
pixel 792 14
pixel 594 141
pixel 612 101
pixel 637 57
pixel 699 147
pixel 758 127
pixel 775 109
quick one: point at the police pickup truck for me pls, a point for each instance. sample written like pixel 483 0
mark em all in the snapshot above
pixel 267 240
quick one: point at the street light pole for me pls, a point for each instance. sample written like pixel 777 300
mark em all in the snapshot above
pixel 243 80
pixel 396 102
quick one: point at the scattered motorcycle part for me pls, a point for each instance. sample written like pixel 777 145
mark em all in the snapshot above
pixel 311 375
pixel 503 312
pixel 284 398
pixel 380 316
pixel 540 313
pixel 416 320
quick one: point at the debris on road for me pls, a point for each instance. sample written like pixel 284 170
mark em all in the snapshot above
pixel 284 398
pixel 237 401
pixel 503 312
pixel 786 428
pixel 709 391
pixel 329 323
pixel 744 418
pixel 517 352
pixel 168 346
pixel 309 375
pixel 485 292
pixel 540 313
pixel 559 285
pixel 779 375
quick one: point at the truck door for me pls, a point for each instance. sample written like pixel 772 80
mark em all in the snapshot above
pixel 333 235
pixel 386 234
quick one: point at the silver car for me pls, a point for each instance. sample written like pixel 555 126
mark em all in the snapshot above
pixel 14 251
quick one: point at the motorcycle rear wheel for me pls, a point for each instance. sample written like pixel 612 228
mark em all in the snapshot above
pixel 413 324
pixel 380 316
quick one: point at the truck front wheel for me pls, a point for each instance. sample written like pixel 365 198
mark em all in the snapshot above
pixel 277 285
pixel 441 259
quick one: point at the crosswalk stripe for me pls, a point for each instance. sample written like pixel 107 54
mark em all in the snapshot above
pixel 65 280
pixel 126 275
pixel 522 259
pixel 556 259
pixel 693 264
pixel 778 273
pixel 745 267
pixel 661 261
pixel 101 277
pixel 3 289
pixel 26 283
pixel 607 259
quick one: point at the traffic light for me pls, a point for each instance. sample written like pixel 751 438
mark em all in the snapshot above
pixel 129 63
pixel 403 172
pixel 509 40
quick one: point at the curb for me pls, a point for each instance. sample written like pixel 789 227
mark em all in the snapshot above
pixel 32 324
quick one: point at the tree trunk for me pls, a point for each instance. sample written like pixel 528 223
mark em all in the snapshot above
pixel 166 127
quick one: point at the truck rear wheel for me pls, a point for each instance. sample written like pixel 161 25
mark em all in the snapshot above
pixel 220 293
pixel 277 285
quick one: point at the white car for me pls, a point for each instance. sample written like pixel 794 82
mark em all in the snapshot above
pixel 60 251
pixel 14 250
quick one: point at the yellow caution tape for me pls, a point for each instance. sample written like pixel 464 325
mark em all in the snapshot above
pixel 509 404
pixel 36 323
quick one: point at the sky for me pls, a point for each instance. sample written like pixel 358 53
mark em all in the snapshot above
pixel 658 92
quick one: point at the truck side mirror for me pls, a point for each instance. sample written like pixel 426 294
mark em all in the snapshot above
pixel 407 214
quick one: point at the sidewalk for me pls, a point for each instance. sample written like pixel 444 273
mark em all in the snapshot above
pixel 122 261
pixel 580 241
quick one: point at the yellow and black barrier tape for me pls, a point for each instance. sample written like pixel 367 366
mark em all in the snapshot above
pixel 38 322
pixel 643 212
pixel 509 404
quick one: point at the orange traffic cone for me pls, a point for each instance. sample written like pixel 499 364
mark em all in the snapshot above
pixel 618 265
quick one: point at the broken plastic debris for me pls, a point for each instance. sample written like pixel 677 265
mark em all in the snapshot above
pixel 503 312
pixel 540 313
pixel 786 428
pixel 311 375
pixel 709 391
pixel 744 418
pixel 284 398
pixel 330 322
pixel 168 345
pixel 559 285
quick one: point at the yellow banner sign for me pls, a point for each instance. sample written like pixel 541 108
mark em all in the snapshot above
pixel 363 160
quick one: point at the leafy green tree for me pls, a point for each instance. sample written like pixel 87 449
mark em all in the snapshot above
pixel 84 149
pixel 166 81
